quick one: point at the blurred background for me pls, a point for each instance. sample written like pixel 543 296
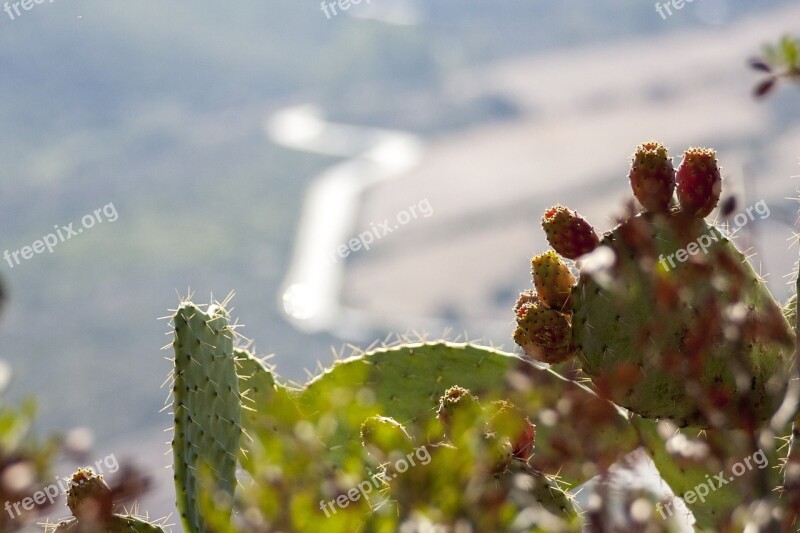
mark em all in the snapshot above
pixel 242 144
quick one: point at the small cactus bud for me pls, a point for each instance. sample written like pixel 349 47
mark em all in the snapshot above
pixel 544 334
pixel 568 233
pixel 652 176
pixel 384 434
pixel 89 498
pixel 455 399
pixel 553 280
pixel 699 182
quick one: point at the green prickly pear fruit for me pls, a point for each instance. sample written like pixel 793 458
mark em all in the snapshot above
pixel 385 434
pixel 652 176
pixel 544 334
pixel 553 280
pixel 568 233
pixel 700 341
pixel 458 409
pixel 699 182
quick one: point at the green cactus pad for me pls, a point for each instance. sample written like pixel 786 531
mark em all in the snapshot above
pixel 686 461
pixel 404 383
pixel 655 321
pixel 207 409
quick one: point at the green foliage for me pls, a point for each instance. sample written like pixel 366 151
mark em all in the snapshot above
pixel 21 455
pixel 781 61
pixel 319 443
pixel 25 461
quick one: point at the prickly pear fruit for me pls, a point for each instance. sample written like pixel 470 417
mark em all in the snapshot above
pixel 553 280
pixel 544 334
pixel 525 297
pixel 458 409
pixel 88 497
pixel 699 182
pixel 568 233
pixel 510 422
pixel 385 434
pixel 652 176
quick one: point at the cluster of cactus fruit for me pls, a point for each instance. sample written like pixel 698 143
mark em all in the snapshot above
pixel 667 319
pixel 690 361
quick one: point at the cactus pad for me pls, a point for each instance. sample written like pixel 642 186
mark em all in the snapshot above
pixel 655 326
pixel 206 406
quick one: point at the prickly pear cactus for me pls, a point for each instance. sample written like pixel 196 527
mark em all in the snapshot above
pixel 207 411
pixel 662 313
pixel 667 317
pixel 339 420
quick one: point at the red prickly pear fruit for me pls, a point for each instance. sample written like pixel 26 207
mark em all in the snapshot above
pixel 568 233
pixel 699 182
pixel 524 443
pixel 544 334
pixel 508 420
pixel 553 280
pixel 652 176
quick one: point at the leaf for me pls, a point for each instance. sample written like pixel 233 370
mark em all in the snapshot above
pixel 759 64
pixel 764 87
